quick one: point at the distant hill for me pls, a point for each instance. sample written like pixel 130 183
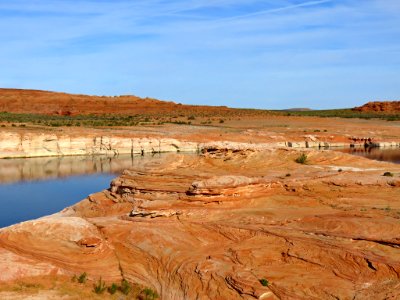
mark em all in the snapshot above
pixel 298 109
pixel 54 103
pixel 380 106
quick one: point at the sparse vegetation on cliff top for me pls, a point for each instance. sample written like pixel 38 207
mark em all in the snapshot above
pixel 343 113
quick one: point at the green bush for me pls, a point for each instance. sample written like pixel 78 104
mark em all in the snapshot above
pixel 148 294
pixel 125 287
pixel 112 289
pixel 264 282
pixel 388 174
pixel 99 287
pixel 302 159
pixel 82 278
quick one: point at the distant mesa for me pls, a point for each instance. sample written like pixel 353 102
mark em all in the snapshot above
pixel 63 104
pixel 380 106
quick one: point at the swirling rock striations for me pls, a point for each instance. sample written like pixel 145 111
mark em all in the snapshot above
pixel 212 226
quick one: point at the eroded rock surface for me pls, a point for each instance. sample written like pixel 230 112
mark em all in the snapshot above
pixel 380 106
pixel 211 226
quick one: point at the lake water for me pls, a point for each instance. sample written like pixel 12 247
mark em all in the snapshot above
pixel 382 154
pixel 34 187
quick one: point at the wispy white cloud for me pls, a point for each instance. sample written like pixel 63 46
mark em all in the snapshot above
pixel 204 51
pixel 277 10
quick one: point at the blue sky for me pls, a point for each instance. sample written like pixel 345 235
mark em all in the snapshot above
pixel 240 53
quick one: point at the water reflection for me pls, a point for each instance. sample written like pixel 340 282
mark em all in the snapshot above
pixel 382 154
pixel 22 201
pixel 34 187
pixel 44 168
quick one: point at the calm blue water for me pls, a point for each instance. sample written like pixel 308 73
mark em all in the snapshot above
pixel 35 187
pixel 23 201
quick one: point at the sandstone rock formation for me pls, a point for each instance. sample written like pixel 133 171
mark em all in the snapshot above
pixel 212 226
pixel 28 144
pixel 14 144
pixel 380 106
pixel 216 223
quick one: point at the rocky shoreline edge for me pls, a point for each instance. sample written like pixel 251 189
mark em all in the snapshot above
pixel 17 145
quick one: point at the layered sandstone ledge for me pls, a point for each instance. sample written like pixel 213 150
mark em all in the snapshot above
pixel 210 226
pixel 37 144
pixel 40 144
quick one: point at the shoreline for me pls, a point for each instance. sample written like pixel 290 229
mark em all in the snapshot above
pixel 19 145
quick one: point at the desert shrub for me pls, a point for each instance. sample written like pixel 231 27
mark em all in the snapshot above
pixel 302 159
pixel 99 287
pixel 82 278
pixel 23 286
pixel 148 294
pixel 125 287
pixel 191 118
pixel 264 282
pixel 388 174
pixel 221 121
pixel 180 122
pixel 112 289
